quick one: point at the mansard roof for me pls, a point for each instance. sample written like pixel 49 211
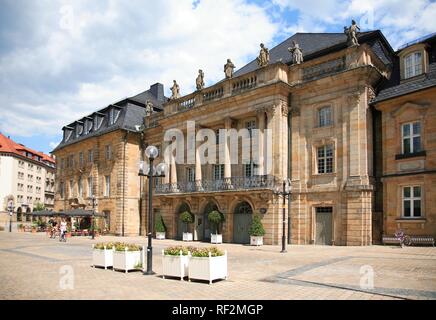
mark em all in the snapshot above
pixel 130 112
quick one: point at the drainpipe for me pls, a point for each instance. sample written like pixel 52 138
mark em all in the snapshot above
pixel 289 164
pixel 124 179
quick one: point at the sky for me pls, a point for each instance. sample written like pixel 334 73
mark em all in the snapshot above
pixel 61 60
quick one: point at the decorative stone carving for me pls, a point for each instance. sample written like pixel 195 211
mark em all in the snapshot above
pixel 263 58
pixel 175 89
pixel 370 94
pixel 200 80
pixel 296 52
pixel 148 108
pixel 294 111
pixel 351 33
pixel 284 108
pixel 228 69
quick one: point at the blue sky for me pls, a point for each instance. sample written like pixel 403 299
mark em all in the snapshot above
pixel 60 60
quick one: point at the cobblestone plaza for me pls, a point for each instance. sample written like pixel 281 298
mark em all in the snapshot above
pixel 32 266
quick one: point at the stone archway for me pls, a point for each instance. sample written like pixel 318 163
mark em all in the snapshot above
pixel 242 218
pixel 19 214
pixel 28 215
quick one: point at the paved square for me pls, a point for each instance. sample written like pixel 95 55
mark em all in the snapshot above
pixel 31 267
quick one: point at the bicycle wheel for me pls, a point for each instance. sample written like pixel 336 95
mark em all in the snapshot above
pixel 407 241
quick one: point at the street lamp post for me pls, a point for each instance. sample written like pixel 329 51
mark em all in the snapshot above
pixel 285 192
pixel 94 204
pixel 11 212
pixel 151 153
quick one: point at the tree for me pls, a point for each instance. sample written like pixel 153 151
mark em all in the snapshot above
pixel 256 228
pixel 187 218
pixel 159 225
pixel 215 217
pixel 38 207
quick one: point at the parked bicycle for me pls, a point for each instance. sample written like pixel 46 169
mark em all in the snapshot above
pixel 404 239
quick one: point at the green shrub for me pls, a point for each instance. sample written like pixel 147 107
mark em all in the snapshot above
pixel 215 218
pixel 159 224
pixel 204 252
pixel 256 228
pixel 130 247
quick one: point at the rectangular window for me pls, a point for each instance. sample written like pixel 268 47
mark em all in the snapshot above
pixel 81 158
pixel 108 152
pixel 62 163
pixel 80 187
pixel 325 159
pixel 90 156
pixel 250 169
pixel 413 65
pixel 111 117
pixel 90 187
pixel 71 188
pixel 190 174
pixel 412 202
pixel 325 117
pixel 411 136
pixel 218 171
pixel 250 125
pixel 107 189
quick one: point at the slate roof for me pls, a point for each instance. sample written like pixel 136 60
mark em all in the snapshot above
pixel 316 44
pixel 395 87
pixel 132 113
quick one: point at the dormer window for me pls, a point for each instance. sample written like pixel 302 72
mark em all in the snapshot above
pixel 98 120
pixel 88 125
pixel 67 133
pixel 79 130
pixel 413 64
pixel 114 113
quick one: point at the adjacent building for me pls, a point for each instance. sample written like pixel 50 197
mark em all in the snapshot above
pixel 99 157
pixel 407 103
pixel 27 178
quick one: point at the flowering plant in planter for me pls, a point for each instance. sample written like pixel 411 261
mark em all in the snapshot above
pixel 175 261
pixel 256 232
pixel 160 228
pixel 127 256
pixel 103 255
pixel 187 218
pixel 208 264
pixel 216 218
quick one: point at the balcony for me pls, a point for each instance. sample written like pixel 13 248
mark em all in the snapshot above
pixel 228 184
pixel 273 73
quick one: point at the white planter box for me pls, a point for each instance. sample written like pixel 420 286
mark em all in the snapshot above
pixel 160 235
pixel 187 236
pixel 208 268
pixel 103 258
pixel 127 260
pixel 256 240
pixel 216 238
pixel 175 266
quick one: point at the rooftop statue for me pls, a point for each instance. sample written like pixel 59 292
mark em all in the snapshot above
pixel 175 89
pixel 351 33
pixel 200 80
pixel 263 58
pixel 148 108
pixel 228 69
pixel 297 53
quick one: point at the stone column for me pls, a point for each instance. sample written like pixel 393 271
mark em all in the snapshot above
pixel 173 169
pixel 198 173
pixel 227 164
pixel 260 142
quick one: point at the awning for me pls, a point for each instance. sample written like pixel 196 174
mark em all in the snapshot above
pixel 43 213
pixel 80 213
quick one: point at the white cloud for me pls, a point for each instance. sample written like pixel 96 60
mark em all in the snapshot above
pixel 84 55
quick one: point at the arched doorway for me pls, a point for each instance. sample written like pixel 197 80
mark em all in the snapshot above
pixel 211 206
pixel 19 214
pixel 28 215
pixel 180 225
pixel 242 217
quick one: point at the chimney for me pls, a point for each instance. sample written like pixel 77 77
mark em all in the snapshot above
pixel 157 90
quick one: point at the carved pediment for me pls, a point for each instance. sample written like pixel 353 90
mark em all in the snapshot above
pixel 422 108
